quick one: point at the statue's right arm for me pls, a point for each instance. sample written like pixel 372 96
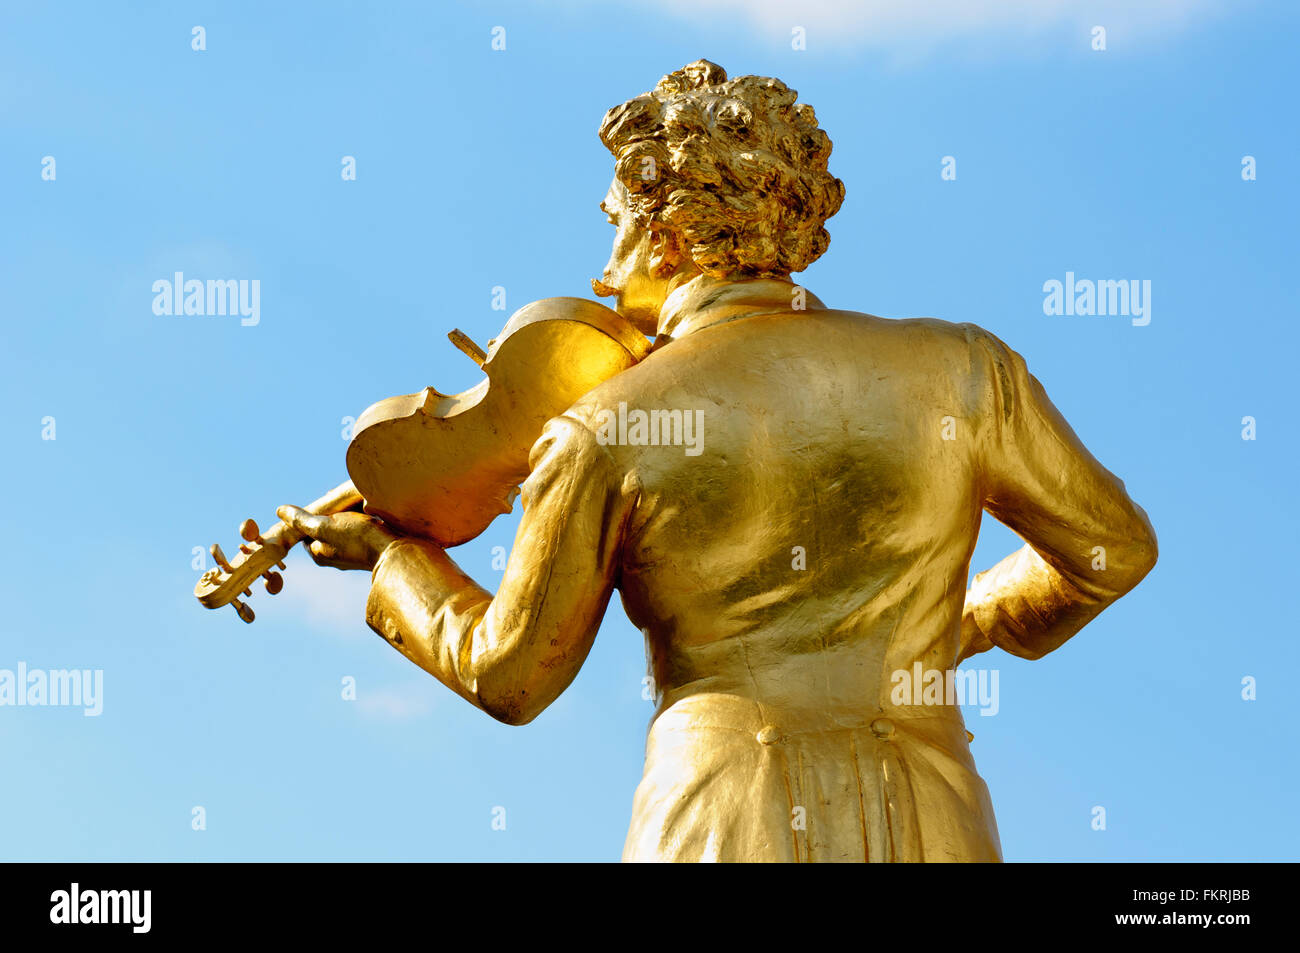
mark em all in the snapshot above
pixel 1088 543
pixel 512 654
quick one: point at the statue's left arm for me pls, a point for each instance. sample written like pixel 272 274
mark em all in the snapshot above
pixel 513 654
pixel 1088 543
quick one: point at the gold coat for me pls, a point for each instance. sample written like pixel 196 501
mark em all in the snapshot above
pixel 818 543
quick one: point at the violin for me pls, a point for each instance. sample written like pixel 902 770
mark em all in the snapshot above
pixel 443 467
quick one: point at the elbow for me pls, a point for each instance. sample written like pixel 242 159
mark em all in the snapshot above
pixel 514 688
pixel 504 688
pixel 513 717
pixel 1141 552
pixel 1147 546
pixel 513 708
pixel 1118 565
pixel 1150 552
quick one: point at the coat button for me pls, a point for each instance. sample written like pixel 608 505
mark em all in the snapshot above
pixel 882 728
pixel 768 735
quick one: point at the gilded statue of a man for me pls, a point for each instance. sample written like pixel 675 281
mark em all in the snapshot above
pixel 815 543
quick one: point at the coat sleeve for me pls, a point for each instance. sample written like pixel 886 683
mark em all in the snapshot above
pixel 513 654
pixel 1087 542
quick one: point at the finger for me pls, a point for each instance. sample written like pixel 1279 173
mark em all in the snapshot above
pixel 322 554
pixel 306 523
pixel 321 551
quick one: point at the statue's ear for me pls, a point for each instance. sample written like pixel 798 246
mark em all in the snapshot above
pixel 665 255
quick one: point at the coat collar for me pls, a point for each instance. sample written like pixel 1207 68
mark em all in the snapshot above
pixel 703 302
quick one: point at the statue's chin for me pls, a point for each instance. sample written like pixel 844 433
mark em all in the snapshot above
pixel 645 319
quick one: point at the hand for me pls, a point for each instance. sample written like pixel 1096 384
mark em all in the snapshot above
pixel 973 641
pixel 344 541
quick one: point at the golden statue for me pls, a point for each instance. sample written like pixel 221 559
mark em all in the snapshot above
pixel 786 497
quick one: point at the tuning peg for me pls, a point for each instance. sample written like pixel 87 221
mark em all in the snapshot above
pixel 220 557
pixel 249 531
pixel 245 611
pixel 274 581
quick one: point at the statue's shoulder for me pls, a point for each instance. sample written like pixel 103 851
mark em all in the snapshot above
pixel 938 349
pixel 923 331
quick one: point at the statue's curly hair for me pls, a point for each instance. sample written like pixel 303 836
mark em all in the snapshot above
pixel 735 169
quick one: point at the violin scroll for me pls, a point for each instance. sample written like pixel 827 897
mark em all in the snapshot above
pixel 260 555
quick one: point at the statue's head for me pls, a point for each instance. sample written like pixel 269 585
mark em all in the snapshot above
pixel 712 176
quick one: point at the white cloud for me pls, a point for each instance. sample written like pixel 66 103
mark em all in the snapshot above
pixel 397 704
pixel 325 599
pixel 334 603
pixel 839 23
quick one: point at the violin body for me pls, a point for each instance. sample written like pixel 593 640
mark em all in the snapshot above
pixel 444 466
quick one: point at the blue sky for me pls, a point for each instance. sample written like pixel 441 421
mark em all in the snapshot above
pixel 479 168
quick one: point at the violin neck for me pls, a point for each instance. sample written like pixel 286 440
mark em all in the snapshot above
pixel 343 497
